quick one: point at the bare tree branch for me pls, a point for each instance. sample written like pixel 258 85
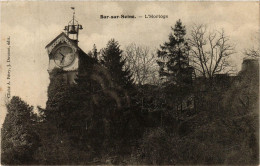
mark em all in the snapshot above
pixel 142 62
pixel 210 51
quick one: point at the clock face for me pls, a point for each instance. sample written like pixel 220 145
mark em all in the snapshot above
pixel 64 56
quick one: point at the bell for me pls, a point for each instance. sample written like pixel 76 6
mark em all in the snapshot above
pixel 72 29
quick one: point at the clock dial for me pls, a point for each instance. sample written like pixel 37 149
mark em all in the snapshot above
pixel 64 56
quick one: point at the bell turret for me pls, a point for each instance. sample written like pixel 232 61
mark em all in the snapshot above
pixel 73 27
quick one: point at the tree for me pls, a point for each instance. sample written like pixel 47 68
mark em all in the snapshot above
pixel 113 61
pixel 19 137
pixel 123 116
pixel 58 99
pixel 242 100
pixel 142 63
pixel 94 53
pixel 173 56
pixel 254 52
pixel 210 51
pixel 173 59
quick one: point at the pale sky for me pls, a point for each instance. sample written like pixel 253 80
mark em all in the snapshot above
pixel 32 25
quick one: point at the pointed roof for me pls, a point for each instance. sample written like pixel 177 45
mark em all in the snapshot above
pixel 61 34
pixel 71 42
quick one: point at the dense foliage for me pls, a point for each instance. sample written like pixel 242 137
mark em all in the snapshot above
pixel 104 118
pixel 113 61
pixel 174 57
pixel 19 138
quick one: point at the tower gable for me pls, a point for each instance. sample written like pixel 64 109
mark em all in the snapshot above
pixel 64 53
pixel 61 39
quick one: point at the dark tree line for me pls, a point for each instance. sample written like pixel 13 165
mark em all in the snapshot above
pixel 112 115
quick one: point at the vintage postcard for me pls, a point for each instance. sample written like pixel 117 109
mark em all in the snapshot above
pixel 129 82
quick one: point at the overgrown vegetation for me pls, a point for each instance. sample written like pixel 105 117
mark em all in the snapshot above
pixel 113 115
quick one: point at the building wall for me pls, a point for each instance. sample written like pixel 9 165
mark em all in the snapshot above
pixel 250 64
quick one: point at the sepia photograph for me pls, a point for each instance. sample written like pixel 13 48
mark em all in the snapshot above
pixel 129 82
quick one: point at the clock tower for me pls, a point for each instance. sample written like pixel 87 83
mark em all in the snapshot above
pixel 64 53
